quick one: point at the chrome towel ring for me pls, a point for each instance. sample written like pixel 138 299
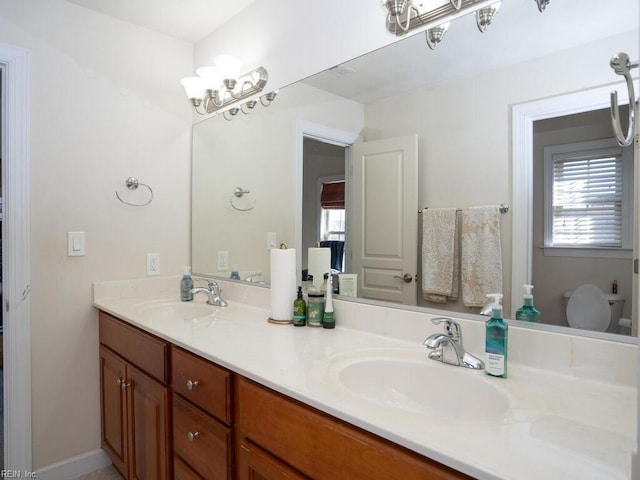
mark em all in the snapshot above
pixel 622 66
pixel 132 183
pixel 239 192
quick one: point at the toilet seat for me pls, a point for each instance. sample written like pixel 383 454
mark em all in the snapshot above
pixel 588 309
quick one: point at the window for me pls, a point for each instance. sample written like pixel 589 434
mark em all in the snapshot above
pixel 332 211
pixel 588 199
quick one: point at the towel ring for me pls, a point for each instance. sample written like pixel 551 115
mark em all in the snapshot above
pixel 622 66
pixel 132 183
pixel 239 192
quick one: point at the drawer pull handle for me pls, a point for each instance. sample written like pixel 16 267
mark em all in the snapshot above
pixel 192 436
pixel 192 384
pixel 122 384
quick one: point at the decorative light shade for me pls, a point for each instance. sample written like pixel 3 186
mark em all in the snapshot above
pixel 485 15
pixel 228 66
pixel 395 7
pixel 210 76
pixel 194 87
pixel 542 4
pixel 435 34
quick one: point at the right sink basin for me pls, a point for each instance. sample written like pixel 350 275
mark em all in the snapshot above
pixel 423 386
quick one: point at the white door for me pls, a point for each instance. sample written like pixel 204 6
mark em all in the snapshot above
pixel 383 219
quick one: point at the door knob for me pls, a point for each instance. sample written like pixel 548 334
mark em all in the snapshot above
pixel 192 384
pixel 407 277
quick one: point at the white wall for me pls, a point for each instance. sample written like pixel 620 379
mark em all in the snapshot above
pixel 267 167
pixel 464 126
pixel 105 104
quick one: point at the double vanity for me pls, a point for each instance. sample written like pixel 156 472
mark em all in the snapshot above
pixel 191 390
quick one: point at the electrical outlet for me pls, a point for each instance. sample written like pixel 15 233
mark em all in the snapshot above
pixel 271 240
pixel 153 264
pixel 223 260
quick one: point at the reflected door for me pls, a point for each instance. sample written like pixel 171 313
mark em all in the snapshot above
pixel 383 222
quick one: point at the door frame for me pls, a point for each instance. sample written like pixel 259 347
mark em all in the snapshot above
pixel 324 134
pixel 522 117
pixel 14 62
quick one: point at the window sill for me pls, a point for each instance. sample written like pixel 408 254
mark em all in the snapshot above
pixel 588 252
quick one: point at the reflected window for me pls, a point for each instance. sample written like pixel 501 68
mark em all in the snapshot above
pixel 588 195
pixel 332 211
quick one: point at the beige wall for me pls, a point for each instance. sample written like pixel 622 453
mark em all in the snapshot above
pixel 260 156
pixel 105 104
pixel 464 128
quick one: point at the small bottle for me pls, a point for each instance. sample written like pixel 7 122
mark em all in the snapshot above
pixel 527 312
pixel 496 344
pixel 328 319
pixel 614 287
pixel 234 273
pixel 315 309
pixel 186 285
pixel 299 310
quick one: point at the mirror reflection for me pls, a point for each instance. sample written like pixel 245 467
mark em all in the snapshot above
pixel 456 101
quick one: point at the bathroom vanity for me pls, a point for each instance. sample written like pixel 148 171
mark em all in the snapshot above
pixel 196 391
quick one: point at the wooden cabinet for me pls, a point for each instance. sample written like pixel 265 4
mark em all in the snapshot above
pixel 313 444
pixel 213 424
pixel 134 400
pixel 202 418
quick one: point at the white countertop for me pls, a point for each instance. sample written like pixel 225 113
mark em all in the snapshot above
pixel 557 427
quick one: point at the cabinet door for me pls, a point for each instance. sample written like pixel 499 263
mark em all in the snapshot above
pixel 255 463
pixel 148 416
pixel 113 408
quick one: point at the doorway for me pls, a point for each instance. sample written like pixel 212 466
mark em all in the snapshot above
pixel 14 69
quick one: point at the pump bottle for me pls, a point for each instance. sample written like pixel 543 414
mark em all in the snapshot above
pixel 496 343
pixel 186 285
pixel 527 312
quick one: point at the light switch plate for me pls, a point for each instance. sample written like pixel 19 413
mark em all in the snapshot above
pixel 76 244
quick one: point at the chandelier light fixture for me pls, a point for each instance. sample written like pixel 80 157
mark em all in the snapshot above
pixel 219 85
pixel 403 16
pixel 485 16
pixel 435 34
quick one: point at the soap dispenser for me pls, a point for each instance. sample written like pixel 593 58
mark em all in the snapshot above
pixel 527 312
pixel 328 319
pixel 186 285
pixel 496 342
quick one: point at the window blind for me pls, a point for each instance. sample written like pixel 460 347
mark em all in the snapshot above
pixel 587 199
pixel 332 197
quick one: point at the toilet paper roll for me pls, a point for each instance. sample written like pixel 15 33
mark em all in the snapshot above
pixel 319 260
pixel 625 322
pixel 283 284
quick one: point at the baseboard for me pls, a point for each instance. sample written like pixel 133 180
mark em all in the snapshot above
pixel 75 467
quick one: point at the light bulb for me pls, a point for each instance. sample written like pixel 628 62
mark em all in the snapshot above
pixel 228 66
pixel 194 87
pixel 211 77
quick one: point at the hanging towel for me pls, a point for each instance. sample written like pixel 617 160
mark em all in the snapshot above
pixel 481 263
pixel 440 259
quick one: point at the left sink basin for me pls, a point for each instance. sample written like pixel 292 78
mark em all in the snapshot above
pixel 174 310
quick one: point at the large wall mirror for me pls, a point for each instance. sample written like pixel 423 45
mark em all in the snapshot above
pixel 457 101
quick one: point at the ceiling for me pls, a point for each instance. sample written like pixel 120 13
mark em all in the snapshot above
pixel 518 33
pixel 190 20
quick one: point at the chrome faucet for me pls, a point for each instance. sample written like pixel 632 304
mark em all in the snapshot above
pixel 213 292
pixel 250 278
pixel 448 348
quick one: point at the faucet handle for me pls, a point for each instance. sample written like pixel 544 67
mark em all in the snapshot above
pixel 451 327
pixel 214 287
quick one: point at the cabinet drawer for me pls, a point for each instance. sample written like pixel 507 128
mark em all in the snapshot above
pixel 319 445
pixel 202 442
pixel 203 383
pixel 182 471
pixel 139 348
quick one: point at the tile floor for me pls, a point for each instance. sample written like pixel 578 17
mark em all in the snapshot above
pixel 109 473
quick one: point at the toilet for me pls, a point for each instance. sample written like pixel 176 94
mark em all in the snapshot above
pixel 589 308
